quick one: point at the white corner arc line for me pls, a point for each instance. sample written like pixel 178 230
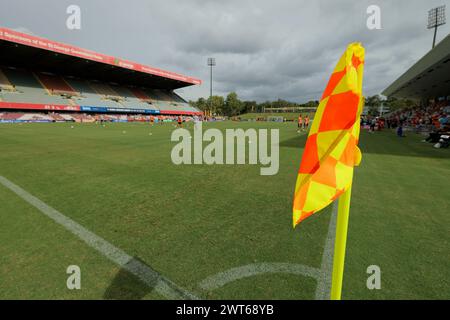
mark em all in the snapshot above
pixel 150 277
pixel 322 275
pixel 323 289
pixel 220 279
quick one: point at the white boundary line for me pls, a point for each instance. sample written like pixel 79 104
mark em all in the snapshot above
pixel 166 287
pixel 322 275
pixel 218 280
pixel 323 289
pixel 150 277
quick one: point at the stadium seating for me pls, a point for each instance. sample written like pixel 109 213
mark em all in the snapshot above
pixel 104 89
pixel 180 102
pixel 168 101
pixel 177 98
pixel 419 118
pixel 55 84
pixel 161 95
pixel 81 117
pixel 58 117
pixel 24 86
pixel 67 117
pixel 35 117
pixel 130 100
pixel 27 89
pixel 140 94
pixel 90 97
pixel 10 116
pixel 4 83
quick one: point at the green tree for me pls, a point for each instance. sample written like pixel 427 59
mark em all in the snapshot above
pixel 249 106
pixel 200 104
pixel 373 104
pixel 233 106
pixel 216 105
pixel 311 104
pixel 396 104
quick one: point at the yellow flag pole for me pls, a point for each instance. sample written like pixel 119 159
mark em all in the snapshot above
pixel 340 243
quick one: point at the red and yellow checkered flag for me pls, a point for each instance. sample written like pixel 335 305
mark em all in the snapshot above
pixel 331 151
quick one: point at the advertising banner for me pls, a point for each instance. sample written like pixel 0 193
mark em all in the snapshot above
pixel 93 109
pixel 128 110
pixel 35 106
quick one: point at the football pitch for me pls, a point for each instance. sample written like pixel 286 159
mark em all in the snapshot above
pixel 110 200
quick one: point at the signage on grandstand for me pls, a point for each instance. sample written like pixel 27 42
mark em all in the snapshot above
pixel 121 110
pixel 93 109
pixel 25 39
pixel 52 107
pixel 35 106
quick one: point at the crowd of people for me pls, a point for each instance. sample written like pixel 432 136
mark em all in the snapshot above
pixel 433 119
pixel 427 118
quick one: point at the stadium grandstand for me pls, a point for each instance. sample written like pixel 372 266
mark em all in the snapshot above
pixel 428 83
pixel 428 78
pixel 43 80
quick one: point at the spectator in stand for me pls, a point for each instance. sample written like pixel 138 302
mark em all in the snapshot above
pixel 443 120
pixel 420 118
pixel 435 136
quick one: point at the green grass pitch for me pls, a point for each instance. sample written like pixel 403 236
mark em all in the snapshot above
pixel 190 222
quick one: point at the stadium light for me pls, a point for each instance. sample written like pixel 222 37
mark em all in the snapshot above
pixel 436 18
pixel 211 64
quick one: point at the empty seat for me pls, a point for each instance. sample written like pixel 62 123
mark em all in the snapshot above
pixel 130 100
pixel 140 94
pixel 88 96
pixel 28 89
pixel 104 89
pixel 55 84
pixel 5 84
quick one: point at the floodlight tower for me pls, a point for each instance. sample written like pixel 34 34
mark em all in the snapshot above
pixel 211 64
pixel 436 18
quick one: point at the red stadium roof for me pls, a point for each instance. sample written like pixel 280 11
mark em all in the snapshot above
pixel 17 47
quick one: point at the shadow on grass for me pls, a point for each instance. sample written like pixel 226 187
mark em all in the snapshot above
pixel 126 286
pixel 386 143
pixel 296 142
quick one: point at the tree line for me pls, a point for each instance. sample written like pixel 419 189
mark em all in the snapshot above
pixel 232 106
pixel 373 104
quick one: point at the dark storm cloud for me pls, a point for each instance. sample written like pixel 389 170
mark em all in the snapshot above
pixel 264 49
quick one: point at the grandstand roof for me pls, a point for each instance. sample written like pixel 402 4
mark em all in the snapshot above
pixel 20 49
pixel 427 78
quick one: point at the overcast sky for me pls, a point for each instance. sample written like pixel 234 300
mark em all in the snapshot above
pixel 264 49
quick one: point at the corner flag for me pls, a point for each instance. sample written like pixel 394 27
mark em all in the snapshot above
pixel 331 152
